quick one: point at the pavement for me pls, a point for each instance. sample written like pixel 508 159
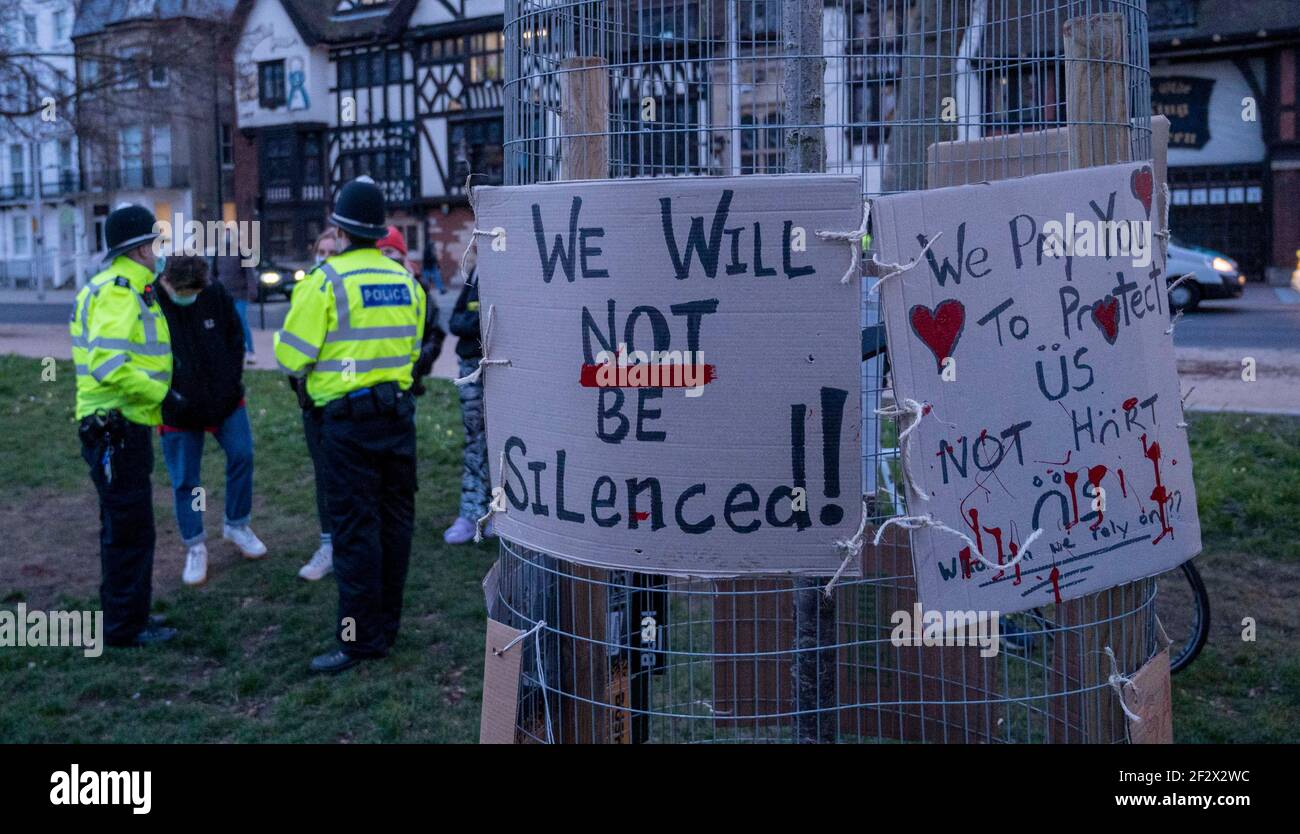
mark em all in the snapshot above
pixel 1217 345
pixel 1214 346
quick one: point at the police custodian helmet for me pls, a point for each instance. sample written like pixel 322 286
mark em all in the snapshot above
pixel 359 209
pixel 128 227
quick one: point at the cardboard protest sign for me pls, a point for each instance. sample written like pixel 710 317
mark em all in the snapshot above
pixel 683 390
pixel 1037 351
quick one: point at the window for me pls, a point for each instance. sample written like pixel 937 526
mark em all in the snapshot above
pixel 60 25
pixel 29 29
pixel 157 75
pixel 67 177
pixel 484 61
pixel 17 169
pixel 89 73
pixel 270 84
pixel 227 146
pixel 759 20
pixel 130 148
pixel 313 169
pixel 476 147
pixel 22 239
pixel 279 160
pixel 370 69
pixel 129 68
pixel 279 235
pixel 160 149
pixel 761 144
pixel 480 52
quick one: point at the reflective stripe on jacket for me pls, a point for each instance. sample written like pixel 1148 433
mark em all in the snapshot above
pixel 121 345
pixel 356 321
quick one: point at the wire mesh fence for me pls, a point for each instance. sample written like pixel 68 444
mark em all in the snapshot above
pixel 906 94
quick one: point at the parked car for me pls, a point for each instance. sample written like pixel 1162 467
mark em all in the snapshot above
pixel 273 280
pixel 1213 275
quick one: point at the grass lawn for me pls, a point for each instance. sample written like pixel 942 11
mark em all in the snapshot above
pixel 238 672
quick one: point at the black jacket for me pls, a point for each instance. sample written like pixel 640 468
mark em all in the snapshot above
pixel 464 322
pixel 207 358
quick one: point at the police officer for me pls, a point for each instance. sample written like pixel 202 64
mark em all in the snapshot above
pixel 122 351
pixel 354 330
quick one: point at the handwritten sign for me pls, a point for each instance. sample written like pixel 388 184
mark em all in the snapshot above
pixel 1032 335
pixel 682 395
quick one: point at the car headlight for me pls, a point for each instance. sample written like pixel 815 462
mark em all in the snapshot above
pixel 299 275
pixel 1241 280
pixel 270 278
pixel 1222 265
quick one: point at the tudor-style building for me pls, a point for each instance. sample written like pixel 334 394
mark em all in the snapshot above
pixel 407 92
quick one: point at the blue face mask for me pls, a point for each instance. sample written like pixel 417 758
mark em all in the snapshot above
pixel 182 300
pixel 159 265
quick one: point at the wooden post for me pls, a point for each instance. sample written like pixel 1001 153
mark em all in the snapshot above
pixel 805 153
pixel 1096 89
pixel 584 118
pixel 1096 103
pixel 584 591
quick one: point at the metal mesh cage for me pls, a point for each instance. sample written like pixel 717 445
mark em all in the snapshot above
pixel 905 94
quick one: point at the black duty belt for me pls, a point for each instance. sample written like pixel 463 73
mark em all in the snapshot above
pixel 386 399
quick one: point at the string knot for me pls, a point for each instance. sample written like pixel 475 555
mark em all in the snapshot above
pixel 854 239
pixel 477 373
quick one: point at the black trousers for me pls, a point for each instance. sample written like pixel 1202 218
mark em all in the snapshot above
pixel 126 531
pixel 369 468
pixel 311 427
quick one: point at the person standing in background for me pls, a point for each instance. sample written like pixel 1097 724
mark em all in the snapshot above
pixel 474 475
pixel 208 371
pixel 239 281
pixel 393 245
pixel 322 561
pixel 430 271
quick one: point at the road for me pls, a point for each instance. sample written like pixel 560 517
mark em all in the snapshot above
pixel 1263 318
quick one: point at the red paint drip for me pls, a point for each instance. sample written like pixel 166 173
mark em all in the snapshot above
pixel 1056 583
pixel 1072 478
pixel 1160 494
pixel 965 562
pixel 1130 403
pixel 642 516
pixel 1095 474
pixel 1123 488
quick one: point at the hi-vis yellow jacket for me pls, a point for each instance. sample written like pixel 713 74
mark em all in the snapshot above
pixel 120 344
pixel 354 322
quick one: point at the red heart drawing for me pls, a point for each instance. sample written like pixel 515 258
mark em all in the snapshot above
pixel 1142 183
pixel 1106 314
pixel 940 329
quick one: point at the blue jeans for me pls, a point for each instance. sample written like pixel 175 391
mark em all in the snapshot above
pixel 183 452
pixel 241 307
pixel 433 275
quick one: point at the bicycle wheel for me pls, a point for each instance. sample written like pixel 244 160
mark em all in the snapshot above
pixel 1183 607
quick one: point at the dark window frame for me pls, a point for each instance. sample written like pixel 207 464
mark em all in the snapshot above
pixel 272 91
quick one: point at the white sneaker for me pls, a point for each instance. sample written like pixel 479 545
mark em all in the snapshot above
pixel 244 538
pixel 196 565
pixel 321 564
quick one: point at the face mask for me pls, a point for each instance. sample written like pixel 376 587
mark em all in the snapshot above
pixel 159 265
pixel 182 300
